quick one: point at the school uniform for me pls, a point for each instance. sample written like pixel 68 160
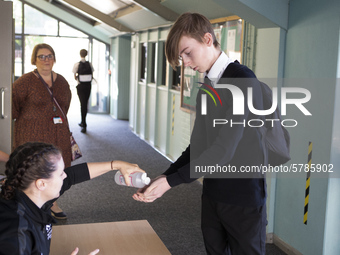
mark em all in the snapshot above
pixel 83 91
pixel 233 204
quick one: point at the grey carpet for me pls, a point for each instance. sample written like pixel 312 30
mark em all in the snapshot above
pixel 175 217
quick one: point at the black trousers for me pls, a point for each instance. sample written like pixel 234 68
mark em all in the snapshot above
pixel 84 91
pixel 233 230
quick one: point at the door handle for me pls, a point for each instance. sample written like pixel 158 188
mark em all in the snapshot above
pixel 2 91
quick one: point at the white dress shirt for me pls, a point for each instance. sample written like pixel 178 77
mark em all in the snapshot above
pixel 218 68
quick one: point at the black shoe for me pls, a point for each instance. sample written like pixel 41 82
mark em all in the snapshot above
pixel 59 215
pixel 83 130
pixel 81 124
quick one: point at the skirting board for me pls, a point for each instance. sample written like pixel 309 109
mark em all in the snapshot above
pixel 272 238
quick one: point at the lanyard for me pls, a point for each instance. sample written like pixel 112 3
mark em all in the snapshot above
pixel 48 88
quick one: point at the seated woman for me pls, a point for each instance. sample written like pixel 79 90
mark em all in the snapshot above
pixel 35 179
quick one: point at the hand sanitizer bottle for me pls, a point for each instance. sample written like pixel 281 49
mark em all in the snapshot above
pixel 137 179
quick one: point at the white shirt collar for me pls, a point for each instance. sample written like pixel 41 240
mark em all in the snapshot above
pixel 218 68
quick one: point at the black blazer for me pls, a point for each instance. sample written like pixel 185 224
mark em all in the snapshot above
pixel 235 145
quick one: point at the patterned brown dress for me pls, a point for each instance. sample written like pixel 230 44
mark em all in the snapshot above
pixel 33 111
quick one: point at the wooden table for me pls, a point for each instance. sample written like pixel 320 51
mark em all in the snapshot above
pixel 124 237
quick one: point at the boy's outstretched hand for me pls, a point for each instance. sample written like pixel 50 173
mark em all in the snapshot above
pixel 155 190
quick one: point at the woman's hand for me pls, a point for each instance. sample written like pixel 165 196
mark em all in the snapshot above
pixel 98 168
pixel 126 169
pixel 76 250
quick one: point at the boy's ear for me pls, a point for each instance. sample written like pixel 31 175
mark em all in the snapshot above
pixel 208 39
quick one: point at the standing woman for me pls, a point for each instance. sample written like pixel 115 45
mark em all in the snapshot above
pixel 37 117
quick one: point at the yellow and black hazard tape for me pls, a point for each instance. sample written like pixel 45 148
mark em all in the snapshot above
pixel 305 217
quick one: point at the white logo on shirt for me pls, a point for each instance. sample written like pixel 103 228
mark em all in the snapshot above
pixel 49 231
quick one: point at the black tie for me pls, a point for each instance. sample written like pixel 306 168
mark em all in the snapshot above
pixel 207 81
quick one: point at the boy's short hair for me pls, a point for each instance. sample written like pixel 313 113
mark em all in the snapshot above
pixel 194 25
pixel 83 53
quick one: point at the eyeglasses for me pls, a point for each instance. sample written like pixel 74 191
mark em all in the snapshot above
pixel 44 57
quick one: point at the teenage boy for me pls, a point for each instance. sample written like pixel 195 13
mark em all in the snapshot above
pixel 233 207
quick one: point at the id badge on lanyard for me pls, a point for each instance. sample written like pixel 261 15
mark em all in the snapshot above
pixel 57 120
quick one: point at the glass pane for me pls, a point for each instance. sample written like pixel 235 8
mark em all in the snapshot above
pixel 17 15
pixel 143 68
pixel 65 30
pixel 67 53
pixel 153 61
pixel 38 23
pixel 176 78
pixel 30 42
pixel 18 57
pixel 99 101
pixel 163 63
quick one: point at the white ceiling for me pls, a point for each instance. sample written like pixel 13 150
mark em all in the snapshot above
pixel 119 16
pixel 114 17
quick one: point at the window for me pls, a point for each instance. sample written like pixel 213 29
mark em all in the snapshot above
pixel 38 23
pixel 163 64
pixel 30 42
pixel 99 101
pixel 143 56
pixel 176 78
pixel 18 57
pixel 153 58
pixel 17 15
pixel 33 26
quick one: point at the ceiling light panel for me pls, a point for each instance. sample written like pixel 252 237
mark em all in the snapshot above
pixel 107 6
